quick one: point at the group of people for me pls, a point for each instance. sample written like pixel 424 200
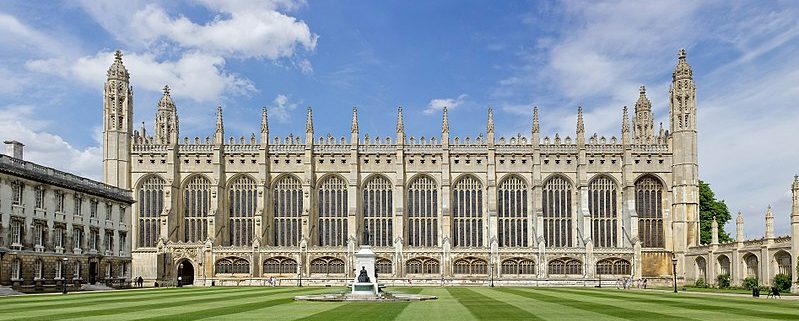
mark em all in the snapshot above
pixel 627 283
pixel 138 282
pixel 273 281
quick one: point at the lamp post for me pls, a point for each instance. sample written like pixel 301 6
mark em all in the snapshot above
pixel 492 273
pixel 64 273
pixel 3 252
pixel 674 270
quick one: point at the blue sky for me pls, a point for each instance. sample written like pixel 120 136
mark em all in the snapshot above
pixel 421 55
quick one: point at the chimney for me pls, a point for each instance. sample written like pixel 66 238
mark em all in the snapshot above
pixel 14 148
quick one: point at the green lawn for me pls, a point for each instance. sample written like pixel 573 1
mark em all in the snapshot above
pixel 456 303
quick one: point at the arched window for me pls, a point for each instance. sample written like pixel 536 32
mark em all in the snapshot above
pixel 422 212
pixel 287 201
pixel 280 265
pixel 232 265
pixel 422 265
pixel 332 212
pixel 613 266
pixel 242 197
pixel 383 266
pixel 150 203
pixel 512 212
pixel 377 202
pixel 701 268
pixel 557 206
pixel 604 213
pixel 783 263
pixel 649 206
pixel 467 213
pixel 195 209
pixel 565 266
pixel 518 266
pixel 724 265
pixel 470 265
pixel 327 265
pixel 751 261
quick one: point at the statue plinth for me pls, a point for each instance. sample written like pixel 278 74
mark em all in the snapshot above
pixel 365 282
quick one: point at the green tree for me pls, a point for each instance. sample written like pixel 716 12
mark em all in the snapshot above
pixel 709 207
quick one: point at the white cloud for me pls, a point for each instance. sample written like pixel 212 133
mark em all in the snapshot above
pixel 197 76
pixel 19 36
pixel 438 104
pixel 22 123
pixel 281 109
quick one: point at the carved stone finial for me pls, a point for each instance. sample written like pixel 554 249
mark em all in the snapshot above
pixel 309 121
pixel 354 124
pixel 219 123
pixel 400 122
pixel 445 122
pixel 118 55
pixel 535 119
pixel 625 122
pixel 490 124
pixel 264 121
pixel 166 90
pixel 580 124
pixel 682 53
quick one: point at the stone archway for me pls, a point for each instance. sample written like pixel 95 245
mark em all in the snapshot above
pixel 186 272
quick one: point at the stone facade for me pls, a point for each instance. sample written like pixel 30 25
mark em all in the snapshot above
pixel 47 216
pixel 522 209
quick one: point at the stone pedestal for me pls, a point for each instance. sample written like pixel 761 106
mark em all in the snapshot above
pixel 365 260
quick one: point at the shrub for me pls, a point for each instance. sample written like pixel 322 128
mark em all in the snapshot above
pixel 750 282
pixel 723 281
pixel 700 283
pixel 782 282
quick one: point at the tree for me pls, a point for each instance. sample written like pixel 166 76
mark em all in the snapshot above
pixel 709 207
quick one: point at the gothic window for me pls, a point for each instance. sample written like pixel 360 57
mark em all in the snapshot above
pixel 751 265
pixel 232 265
pixel 332 209
pixel 783 263
pixel 724 265
pixel 518 266
pixel 422 212
pixel 150 203
pixel 422 265
pixel 604 213
pixel 470 265
pixel 512 212
pixel 565 266
pixel 280 265
pixel 467 213
pixel 649 206
pixel 16 193
pixel 557 208
pixel 243 202
pixel 287 205
pixel 613 266
pixel 327 265
pixel 383 266
pixel 196 204
pixel 377 218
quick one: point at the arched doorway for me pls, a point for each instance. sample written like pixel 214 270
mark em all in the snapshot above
pixel 186 272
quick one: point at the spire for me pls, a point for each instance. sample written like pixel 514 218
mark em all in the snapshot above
pixel 264 121
pixel 166 102
pixel 490 124
pixel 220 126
pixel 580 124
pixel 769 223
pixel 309 121
pixel 535 120
pixel 682 70
pixel 643 120
pixel 117 70
pixel 714 232
pixel 354 125
pixel 445 122
pixel 400 123
pixel 625 122
pixel 739 228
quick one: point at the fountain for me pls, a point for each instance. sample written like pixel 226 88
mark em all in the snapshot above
pixel 365 286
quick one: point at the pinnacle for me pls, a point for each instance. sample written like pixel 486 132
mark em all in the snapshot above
pixel 643 90
pixel 118 55
pixel 166 90
pixel 682 53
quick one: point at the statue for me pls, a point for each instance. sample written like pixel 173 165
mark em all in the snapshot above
pixel 362 276
pixel 365 240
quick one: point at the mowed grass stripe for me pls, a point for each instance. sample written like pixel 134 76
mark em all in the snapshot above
pixel 364 310
pixel 84 295
pixel 484 307
pixel 613 310
pixel 228 309
pixel 57 303
pixel 694 303
pixel 190 300
pixel 445 307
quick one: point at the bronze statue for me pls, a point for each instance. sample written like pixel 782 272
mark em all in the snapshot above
pixel 363 277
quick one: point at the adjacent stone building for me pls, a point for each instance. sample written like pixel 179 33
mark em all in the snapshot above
pixel 525 209
pixel 56 227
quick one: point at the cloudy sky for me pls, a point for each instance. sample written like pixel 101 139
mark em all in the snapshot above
pixel 421 55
